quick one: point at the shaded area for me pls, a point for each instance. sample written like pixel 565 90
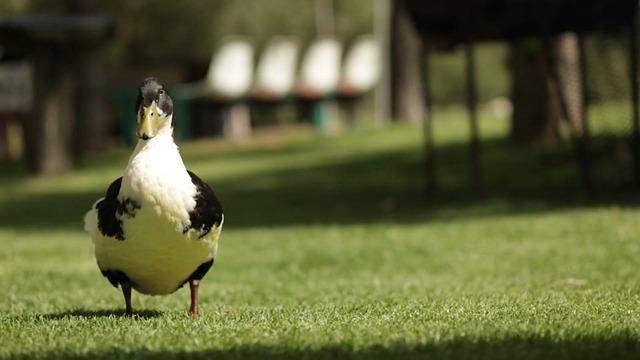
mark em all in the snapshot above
pixel 618 346
pixel 377 187
pixel 47 211
pixel 550 79
pixel 388 188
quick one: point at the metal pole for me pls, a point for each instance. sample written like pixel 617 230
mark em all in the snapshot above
pixel 325 22
pixel 382 30
pixel 586 130
pixel 635 98
pixel 431 183
pixel 475 156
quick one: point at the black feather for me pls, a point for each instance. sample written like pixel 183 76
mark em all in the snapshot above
pixel 111 211
pixel 208 211
pixel 153 89
pixel 116 277
pixel 108 223
pixel 199 273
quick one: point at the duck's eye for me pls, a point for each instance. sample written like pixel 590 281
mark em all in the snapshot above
pixel 161 92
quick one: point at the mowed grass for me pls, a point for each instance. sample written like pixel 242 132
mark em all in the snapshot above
pixel 331 250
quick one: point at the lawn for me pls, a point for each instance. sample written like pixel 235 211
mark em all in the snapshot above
pixel 331 250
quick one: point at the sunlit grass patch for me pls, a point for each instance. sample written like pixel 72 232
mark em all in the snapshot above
pixel 331 250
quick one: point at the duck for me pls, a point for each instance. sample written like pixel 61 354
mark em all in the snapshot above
pixel 157 227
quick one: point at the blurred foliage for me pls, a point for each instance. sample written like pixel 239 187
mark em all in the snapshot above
pixel 607 60
pixel 492 74
pixel 153 32
pixel 185 33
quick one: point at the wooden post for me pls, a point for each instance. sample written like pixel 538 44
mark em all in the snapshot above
pixel 475 154
pixel 236 121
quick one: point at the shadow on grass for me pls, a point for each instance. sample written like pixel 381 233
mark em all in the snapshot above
pixel 92 314
pixel 378 187
pixel 615 347
pixel 60 210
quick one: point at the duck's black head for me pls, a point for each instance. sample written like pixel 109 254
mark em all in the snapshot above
pixel 154 109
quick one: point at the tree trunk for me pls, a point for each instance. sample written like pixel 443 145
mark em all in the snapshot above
pixel 49 145
pixel 407 99
pixel 567 51
pixel 535 110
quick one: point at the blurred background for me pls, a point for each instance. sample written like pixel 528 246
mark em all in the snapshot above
pixel 400 178
pixel 561 75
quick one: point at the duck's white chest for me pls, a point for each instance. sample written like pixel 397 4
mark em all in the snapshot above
pixel 156 257
pixel 158 252
pixel 157 179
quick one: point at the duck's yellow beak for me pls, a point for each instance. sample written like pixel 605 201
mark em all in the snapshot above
pixel 148 121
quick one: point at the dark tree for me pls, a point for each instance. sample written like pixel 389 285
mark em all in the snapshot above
pixel 407 101
pixel 546 89
pixel 535 110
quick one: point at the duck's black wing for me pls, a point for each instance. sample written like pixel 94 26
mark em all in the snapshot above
pixel 208 211
pixel 108 223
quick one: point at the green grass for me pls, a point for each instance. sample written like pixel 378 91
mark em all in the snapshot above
pixel 331 250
